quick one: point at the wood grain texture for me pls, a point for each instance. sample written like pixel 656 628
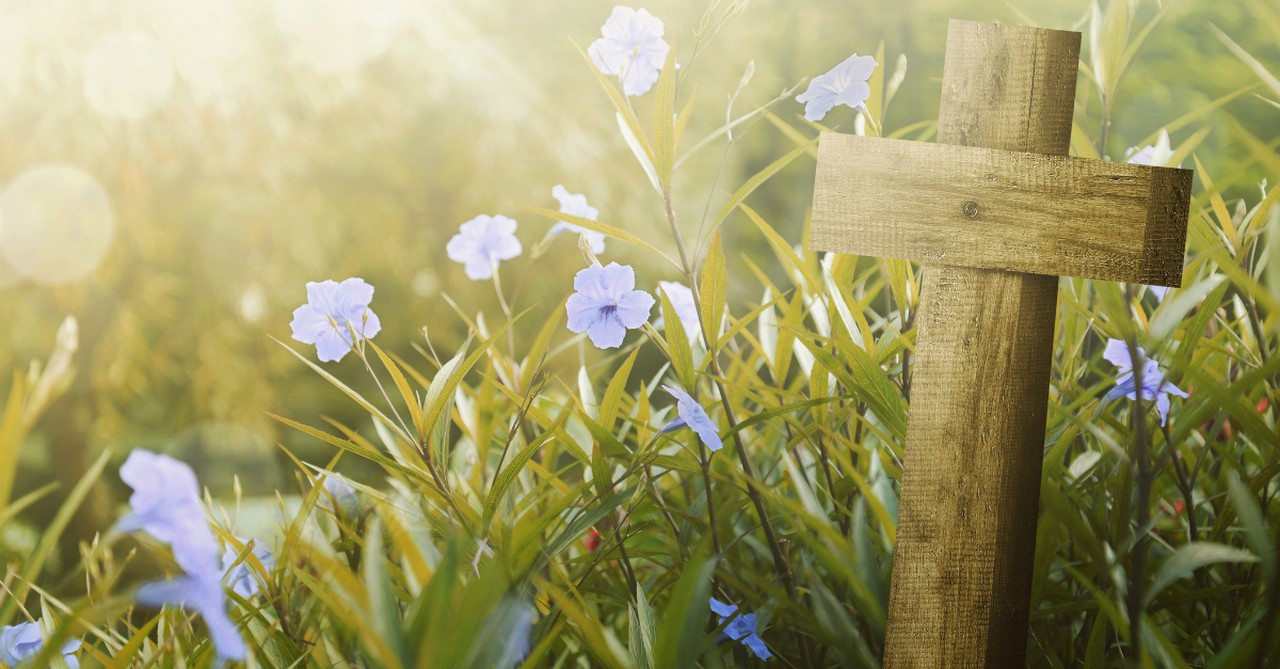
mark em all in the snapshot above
pixel 993 209
pixel 961 584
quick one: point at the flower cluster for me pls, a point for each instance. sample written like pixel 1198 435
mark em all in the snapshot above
pixel 741 628
pixel 1154 385
pixel 166 505
pixel 24 641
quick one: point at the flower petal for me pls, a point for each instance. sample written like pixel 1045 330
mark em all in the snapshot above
pixel 607 331
pixel 633 308
pixel 332 346
pixel 309 323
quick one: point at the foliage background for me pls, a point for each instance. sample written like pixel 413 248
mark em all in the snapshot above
pixel 272 163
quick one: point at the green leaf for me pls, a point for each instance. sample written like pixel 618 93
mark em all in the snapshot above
pixel 664 121
pixel 607 230
pixel 50 533
pixel 508 475
pixel 678 349
pixel 642 631
pixel 613 392
pixel 1256 533
pixel 384 609
pixel 1189 558
pixel 682 631
pixel 750 185
pixel 713 292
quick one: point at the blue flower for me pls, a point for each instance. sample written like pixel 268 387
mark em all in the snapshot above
pixel 631 49
pixel 1154 385
pixel 845 84
pixel 606 304
pixel 203 594
pixel 24 641
pixel 335 317
pixel 1158 155
pixel 166 505
pixel 340 493
pixel 576 205
pixel 691 414
pixel 482 243
pixel 681 298
pixel 241 577
pixel 1159 292
pixel 741 628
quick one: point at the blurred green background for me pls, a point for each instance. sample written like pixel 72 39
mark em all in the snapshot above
pixel 217 154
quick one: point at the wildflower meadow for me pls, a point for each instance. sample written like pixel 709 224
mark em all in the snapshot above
pixel 439 334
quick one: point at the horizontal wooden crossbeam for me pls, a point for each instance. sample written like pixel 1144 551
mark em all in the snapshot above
pixel 1005 210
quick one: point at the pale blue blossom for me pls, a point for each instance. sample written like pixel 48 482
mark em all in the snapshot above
pixel 681 298
pixel 631 49
pixel 576 205
pixel 1154 385
pixel 691 414
pixel 203 594
pixel 241 577
pixel 741 628
pixel 1157 155
pixel 606 304
pixel 335 317
pixel 340 493
pixel 24 641
pixel 482 243
pixel 845 84
pixel 1158 291
pixel 166 505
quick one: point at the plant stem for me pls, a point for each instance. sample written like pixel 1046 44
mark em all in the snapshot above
pixel 1142 458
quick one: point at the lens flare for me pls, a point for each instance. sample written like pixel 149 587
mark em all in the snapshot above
pixel 56 224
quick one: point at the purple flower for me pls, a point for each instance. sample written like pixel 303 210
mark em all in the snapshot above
pixel 166 505
pixel 340 493
pixel 845 84
pixel 203 594
pixel 1158 291
pixel 741 628
pixel 682 301
pixel 691 414
pixel 606 304
pixel 631 49
pixel 1154 385
pixel 1158 155
pixel 240 577
pixel 24 641
pixel 482 243
pixel 335 317
pixel 576 205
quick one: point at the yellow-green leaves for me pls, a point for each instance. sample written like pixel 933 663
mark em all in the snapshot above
pixel 713 293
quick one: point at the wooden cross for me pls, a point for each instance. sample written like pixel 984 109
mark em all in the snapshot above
pixel 997 212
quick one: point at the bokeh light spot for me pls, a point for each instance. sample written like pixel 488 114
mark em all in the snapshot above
pixel 337 36
pixel 56 224
pixel 127 75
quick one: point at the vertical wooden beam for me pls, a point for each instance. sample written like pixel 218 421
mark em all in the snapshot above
pixel 970 491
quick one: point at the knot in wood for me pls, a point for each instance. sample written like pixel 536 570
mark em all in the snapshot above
pixel 970 209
